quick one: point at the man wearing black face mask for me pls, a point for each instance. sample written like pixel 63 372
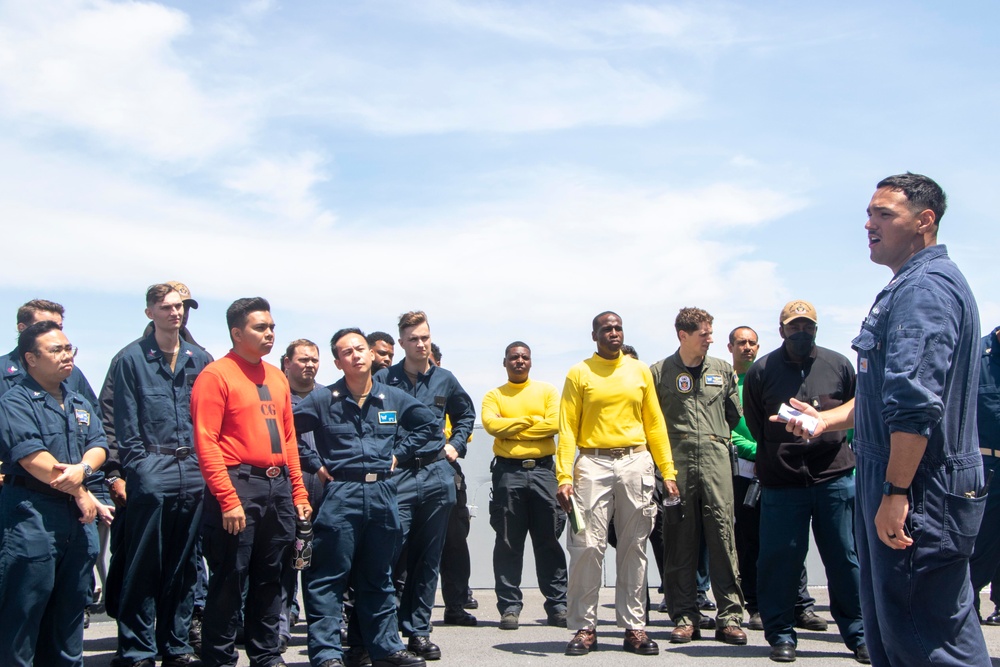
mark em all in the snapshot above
pixel 804 480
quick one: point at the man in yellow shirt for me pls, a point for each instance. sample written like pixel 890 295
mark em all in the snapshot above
pixel 609 412
pixel 523 417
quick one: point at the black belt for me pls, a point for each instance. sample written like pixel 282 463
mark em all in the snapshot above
pixel 264 473
pixel 422 461
pixel 528 464
pixel 180 453
pixel 358 476
pixel 36 485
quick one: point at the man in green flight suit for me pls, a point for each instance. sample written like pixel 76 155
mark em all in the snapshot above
pixel 699 397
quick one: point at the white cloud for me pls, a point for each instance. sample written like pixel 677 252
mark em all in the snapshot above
pixel 579 26
pixel 284 188
pixel 526 96
pixel 111 71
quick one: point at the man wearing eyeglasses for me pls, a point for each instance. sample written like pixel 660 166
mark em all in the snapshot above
pixel 51 442
pixel 152 412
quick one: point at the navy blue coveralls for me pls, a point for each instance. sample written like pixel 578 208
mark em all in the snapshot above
pixel 983 565
pixel 152 412
pixel 918 372
pixel 357 522
pixel 425 488
pixel 47 553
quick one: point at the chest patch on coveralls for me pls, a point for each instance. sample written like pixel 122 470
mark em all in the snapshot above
pixel 83 417
pixel 387 417
pixel 713 380
pixel 684 383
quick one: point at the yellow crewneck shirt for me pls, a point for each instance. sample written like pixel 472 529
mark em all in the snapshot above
pixel 610 403
pixel 523 419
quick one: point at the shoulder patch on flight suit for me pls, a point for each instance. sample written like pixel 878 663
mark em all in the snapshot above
pixel 684 383
pixel 713 380
pixel 82 417
pixel 387 417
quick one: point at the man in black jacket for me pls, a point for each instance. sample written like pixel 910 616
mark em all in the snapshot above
pixel 803 480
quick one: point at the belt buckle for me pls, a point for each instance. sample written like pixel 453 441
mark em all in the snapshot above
pixel 182 453
pixel 371 477
pixel 618 452
pixel 273 471
pixel 528 464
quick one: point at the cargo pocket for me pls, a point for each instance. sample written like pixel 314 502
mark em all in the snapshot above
pixel 26 538
pixel 962 517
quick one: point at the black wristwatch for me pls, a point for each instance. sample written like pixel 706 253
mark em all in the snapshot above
pixel 110 481
pixel 87 470
pixel 889 490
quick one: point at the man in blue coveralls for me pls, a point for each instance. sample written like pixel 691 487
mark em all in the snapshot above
pixel 426 483
pixel 986 555
pixel 51 441
pixel 152 412
pixel 361 429
pixel 920 495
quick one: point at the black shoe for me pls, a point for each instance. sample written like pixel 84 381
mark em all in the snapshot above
pixel 459 617
pixel 994 618
pixel 861 655
pixel 423 647
pixel 357 656
pixel 194 632
pixel 510 621
pixel 755 623
pixel 86 617
pixel 332 662
pixel 808 620
pixel 583 642
pixel 118 661
pixel 706 623
pixel 783 652
pixel 557 619
pixel 662 607
pixel 186 660
pixel 704 603
pixel 471 603
pixel 399 659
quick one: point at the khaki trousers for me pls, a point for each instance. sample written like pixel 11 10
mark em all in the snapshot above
pixel 607 488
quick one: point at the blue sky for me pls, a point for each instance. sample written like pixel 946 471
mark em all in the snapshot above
pixel 512 168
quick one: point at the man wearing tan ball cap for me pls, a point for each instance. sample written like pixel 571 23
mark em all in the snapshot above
pixel 806 481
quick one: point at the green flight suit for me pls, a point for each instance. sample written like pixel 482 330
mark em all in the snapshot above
pixel 701 413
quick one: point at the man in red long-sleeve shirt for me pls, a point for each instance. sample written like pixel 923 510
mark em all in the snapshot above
pixel 245 438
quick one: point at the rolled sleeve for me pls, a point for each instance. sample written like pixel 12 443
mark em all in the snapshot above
pixel 920 346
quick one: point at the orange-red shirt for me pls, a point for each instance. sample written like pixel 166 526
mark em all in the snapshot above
pixel 242 413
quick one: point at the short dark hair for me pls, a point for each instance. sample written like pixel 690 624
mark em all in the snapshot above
pixel 340 334
pixel 156 293
pixel 239 311
pixel 436 353
pixel 921 191
pixel 377 336
pixel 732 334
pixel 516 343
pixel 600 315
pixel 630 351
pixel 300 342
pixel 26 339
pixel 691 319
pixel 26 313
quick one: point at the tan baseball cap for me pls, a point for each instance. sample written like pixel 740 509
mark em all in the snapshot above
pixel 183 290
pixel 793 310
